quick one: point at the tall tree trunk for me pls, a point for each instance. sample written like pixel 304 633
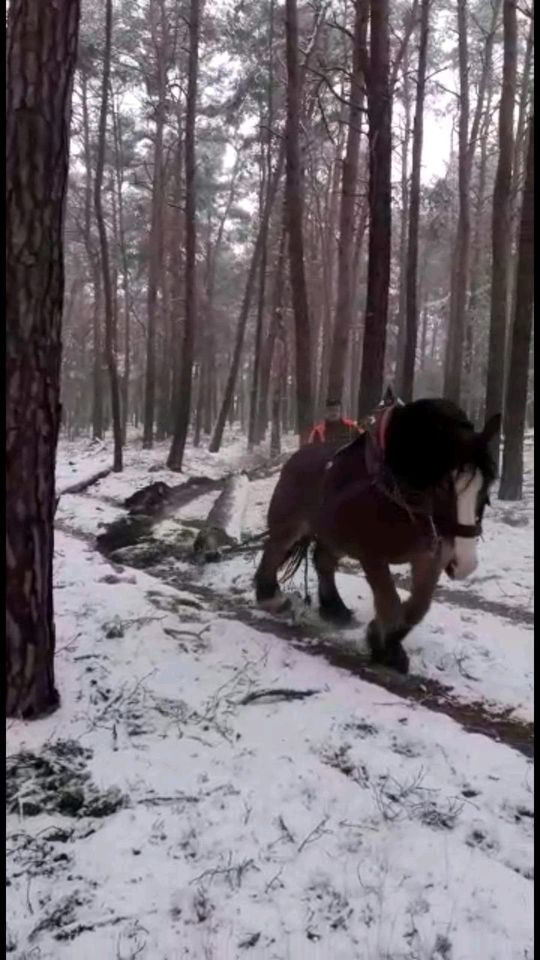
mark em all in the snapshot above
pixel 266 156
pixel 467 145
pixel 329 220
pixel 104 246
pixel 294 206
pixel 279 387
pixel 516 395
pixel 254 391
pixel 176 261
pixel 97 385
pixel 403 233
pixel 158 31
pixel 501 224
pixel 119 169
pixel 228 396
pixel 97 365
pixel 41 56
pixel 345 279
pixel 477 266
pixel 518 160
pixel 380 207
pixel 183 399
pixel 407 384
pixel 268 352
pixel 208 340
pixel 460 265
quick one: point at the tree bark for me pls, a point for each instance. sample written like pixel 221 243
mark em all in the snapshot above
pixel 268 352
pixel 404 228
pixel 380 209
pixel 228 396
pixel 41 56
pixel 518 161
pixel 294 207
pixel 119 168
pixel 467 146
pixel 477 268
pixel 349 178
pixel 460 265
pixel 501 224
pixel 266 158
pixel 97 384
pixel 183 399
pixel 255 378
pixel 411 324
pixel 104 247
pixel 278 391
pixel 516 396
pixel 158 31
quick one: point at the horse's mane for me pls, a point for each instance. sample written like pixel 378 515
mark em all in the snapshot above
pixel 428 439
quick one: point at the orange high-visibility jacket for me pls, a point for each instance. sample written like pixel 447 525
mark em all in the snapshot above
pixel 348 429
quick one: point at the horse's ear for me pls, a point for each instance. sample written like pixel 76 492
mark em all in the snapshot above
pixel 492 427
pixel 389 396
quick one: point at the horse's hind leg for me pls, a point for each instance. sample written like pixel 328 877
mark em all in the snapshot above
pixel 388 629
pixel 331 606
pixel 267 591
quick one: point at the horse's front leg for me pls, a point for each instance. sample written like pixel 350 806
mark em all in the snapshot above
pixel 425 573
pixel 387 630
pixel 331 606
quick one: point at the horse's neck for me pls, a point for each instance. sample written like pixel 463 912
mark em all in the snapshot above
pixel 348 465
pixel 373 456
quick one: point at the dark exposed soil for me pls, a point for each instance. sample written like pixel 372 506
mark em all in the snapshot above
pixel 474 717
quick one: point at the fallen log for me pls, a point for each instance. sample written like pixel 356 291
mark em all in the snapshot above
pixel 82 485
pixel 223 526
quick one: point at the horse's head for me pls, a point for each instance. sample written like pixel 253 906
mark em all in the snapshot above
pixel 431 446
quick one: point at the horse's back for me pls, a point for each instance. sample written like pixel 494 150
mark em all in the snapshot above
pixel 297 492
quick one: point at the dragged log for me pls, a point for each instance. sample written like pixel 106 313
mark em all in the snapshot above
pixel 160 498
pixel 125 532
pixel 154 530
pixel 223 526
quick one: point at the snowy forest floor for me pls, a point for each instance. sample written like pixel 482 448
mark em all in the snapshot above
pixel 166 811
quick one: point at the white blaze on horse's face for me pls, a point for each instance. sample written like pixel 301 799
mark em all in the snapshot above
pixel 467 486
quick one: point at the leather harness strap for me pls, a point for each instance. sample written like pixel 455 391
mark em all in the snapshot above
pixel 375 451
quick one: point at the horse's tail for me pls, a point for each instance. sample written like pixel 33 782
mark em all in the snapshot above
pixel 295 556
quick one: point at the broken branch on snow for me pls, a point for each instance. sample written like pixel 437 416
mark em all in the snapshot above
pixel 280 693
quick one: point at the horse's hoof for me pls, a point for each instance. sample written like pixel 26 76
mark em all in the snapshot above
pixel 276 604
pixel 336 614
pixel 396 658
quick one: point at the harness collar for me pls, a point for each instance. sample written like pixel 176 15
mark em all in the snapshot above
pixel 382 424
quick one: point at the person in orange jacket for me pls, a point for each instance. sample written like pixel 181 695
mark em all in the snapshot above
pixel 335 428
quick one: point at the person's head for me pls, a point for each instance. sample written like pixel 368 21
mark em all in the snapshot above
pixel 333 410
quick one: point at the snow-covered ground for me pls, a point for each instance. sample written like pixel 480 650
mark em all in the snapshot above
pixel 161 813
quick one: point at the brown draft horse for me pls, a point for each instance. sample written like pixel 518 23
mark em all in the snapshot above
pixel 411 490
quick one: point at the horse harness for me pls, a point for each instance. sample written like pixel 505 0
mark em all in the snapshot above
pixel 418 506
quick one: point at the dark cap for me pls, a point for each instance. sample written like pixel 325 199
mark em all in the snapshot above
pixel 333 402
